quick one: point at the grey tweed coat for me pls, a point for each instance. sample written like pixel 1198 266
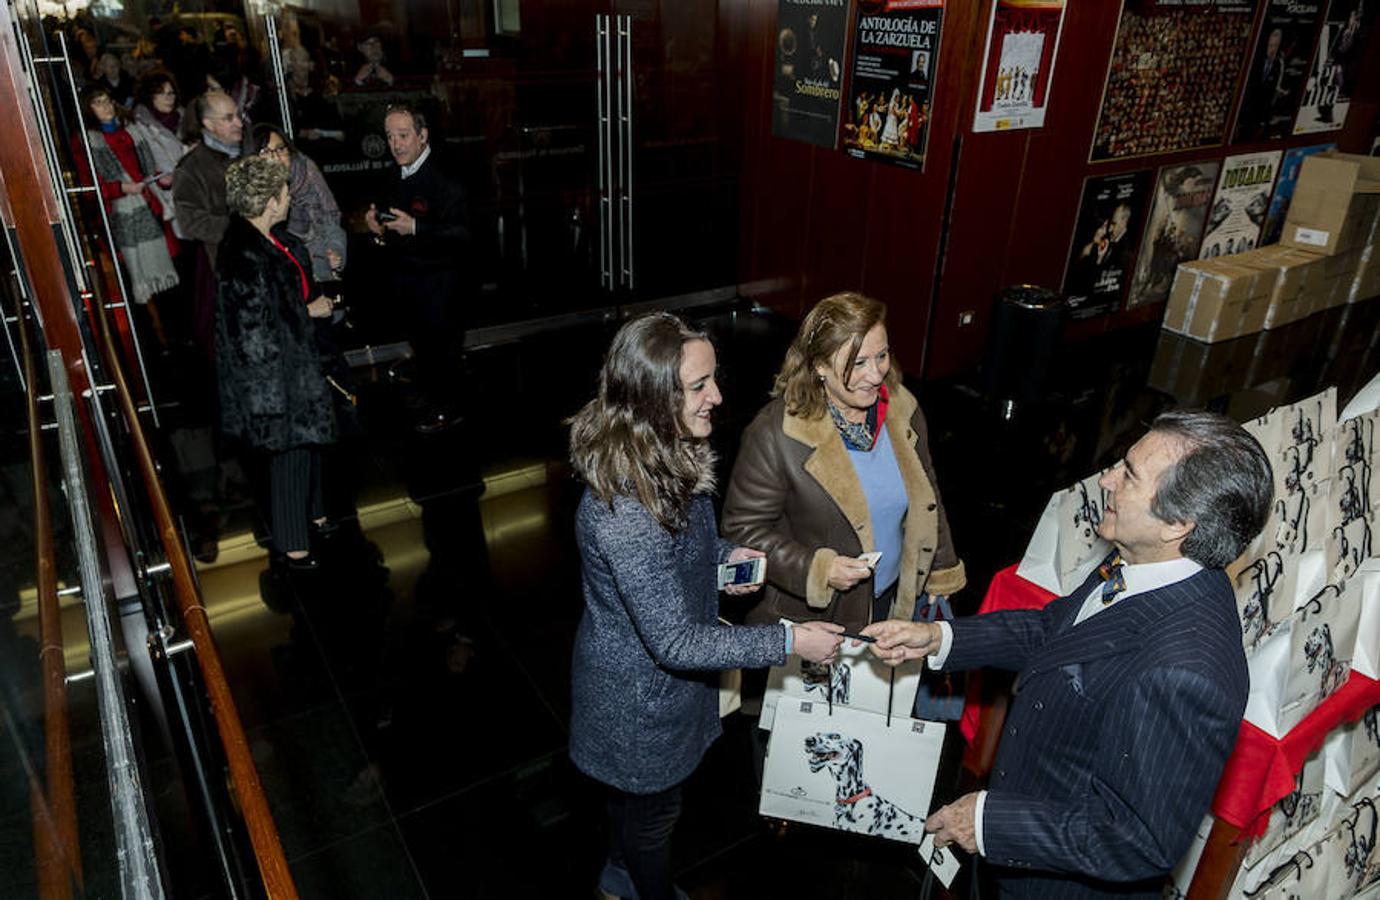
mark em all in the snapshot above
pixel 649 647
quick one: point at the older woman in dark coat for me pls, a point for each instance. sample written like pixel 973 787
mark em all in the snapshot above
pixel 645 689
pixel 274 394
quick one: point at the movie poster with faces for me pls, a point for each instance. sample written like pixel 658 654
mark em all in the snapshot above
pixel 1022 46
pixel 1105 239
pixel 1238 210
pixel 1174 230
pixel 1337 66
pixel 1275 80
pixel 810 40
pixel 1172 76
pixel 1284 190
pixel 895 55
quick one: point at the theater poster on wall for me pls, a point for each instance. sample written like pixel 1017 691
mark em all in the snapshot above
pixel 1172 76
pixel 1173 230
pixel 1018 66
pixel 1284 190
pixel 1336 66
pixel 1239 207
pixel 895 52
pixel 1275 80
pixel 1110 219
pixel 810 40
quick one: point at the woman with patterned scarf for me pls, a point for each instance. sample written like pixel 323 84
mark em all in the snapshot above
pixel 125 172
pixel 836 469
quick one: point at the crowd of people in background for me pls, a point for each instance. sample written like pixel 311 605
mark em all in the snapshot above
pixel 181 136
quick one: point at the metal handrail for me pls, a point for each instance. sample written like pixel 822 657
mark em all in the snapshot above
pixel 140 873
pixel 244 777
pixel 58 849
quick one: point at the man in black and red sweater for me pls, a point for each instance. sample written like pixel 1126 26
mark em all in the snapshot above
pixel 421 221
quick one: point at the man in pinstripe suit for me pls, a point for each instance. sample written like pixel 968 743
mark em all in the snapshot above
pixel 1131 688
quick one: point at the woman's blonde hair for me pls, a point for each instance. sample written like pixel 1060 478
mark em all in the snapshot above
pixel 250 182
pixel 836 320
pixel 630 439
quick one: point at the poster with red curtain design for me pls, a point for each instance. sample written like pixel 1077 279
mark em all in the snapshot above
pixel 1018 67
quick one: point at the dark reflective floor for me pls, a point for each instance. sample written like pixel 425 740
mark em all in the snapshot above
pixel 407 703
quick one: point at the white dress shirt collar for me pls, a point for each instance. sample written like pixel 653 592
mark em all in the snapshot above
pixel 409 170
pixel 1141 578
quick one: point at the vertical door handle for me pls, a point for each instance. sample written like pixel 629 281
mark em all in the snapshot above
pixel 604 133
pixel 625 123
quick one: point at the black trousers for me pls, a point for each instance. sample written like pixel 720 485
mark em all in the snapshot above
pixel 436 330
pixel 640 827
pixel 294 487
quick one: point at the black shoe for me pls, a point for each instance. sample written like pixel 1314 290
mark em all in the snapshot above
pixel 437 422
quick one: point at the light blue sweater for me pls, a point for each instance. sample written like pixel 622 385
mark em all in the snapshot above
pixel 886 503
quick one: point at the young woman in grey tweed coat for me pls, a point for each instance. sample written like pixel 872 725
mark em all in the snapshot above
pixel 650 644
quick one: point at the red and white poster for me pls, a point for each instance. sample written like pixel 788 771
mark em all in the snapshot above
pixel 1018 67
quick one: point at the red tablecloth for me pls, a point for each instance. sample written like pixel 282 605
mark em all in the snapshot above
pixel 1007 591
pixel 1262 769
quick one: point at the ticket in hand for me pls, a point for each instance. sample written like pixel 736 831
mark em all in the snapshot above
pixel 871 558
pixel 941 861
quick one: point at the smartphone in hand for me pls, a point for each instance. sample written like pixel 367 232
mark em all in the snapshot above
pixel 747 571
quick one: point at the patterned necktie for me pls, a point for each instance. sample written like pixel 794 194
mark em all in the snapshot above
pixel 1113 581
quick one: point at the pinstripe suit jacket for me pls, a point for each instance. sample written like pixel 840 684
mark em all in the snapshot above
pixel 1116 737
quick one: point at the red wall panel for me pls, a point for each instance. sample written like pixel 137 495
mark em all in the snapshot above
pixel 816 221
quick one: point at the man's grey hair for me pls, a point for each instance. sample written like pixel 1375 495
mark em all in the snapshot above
pixel 1222 483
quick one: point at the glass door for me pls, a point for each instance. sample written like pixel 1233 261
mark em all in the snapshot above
pixel 685 162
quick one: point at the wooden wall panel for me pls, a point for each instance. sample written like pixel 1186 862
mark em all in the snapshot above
pixel 810 215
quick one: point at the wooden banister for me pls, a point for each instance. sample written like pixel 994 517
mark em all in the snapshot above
pixel 58 850
pixel 244 777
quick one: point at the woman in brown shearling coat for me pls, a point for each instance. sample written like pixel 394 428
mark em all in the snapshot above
pixel 838 466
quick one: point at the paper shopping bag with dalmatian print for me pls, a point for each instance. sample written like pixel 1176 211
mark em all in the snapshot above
pixel 1301 661
pixel 849 771
pixel 1065 547
pixel 1302 877
pixel 1355 446
pixel 1292 813
pixel 857 679
pixel 1274 585
pixel 1363 589
pixel 1352 753
pixel 1308 431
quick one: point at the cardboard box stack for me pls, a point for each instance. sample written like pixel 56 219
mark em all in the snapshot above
pixel 1326 257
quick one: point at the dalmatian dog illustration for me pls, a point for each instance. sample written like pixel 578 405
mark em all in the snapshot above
pixel 1354 502
pixel 1088 515
pixel 1255 611
pixel 1291 530
pixel 838 678
pixel 1300 461
pixel 1358 862
pixel 1321 657
pixel 1357 439
pixel 1352 546
pixel 1305 810
pixel 856 807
